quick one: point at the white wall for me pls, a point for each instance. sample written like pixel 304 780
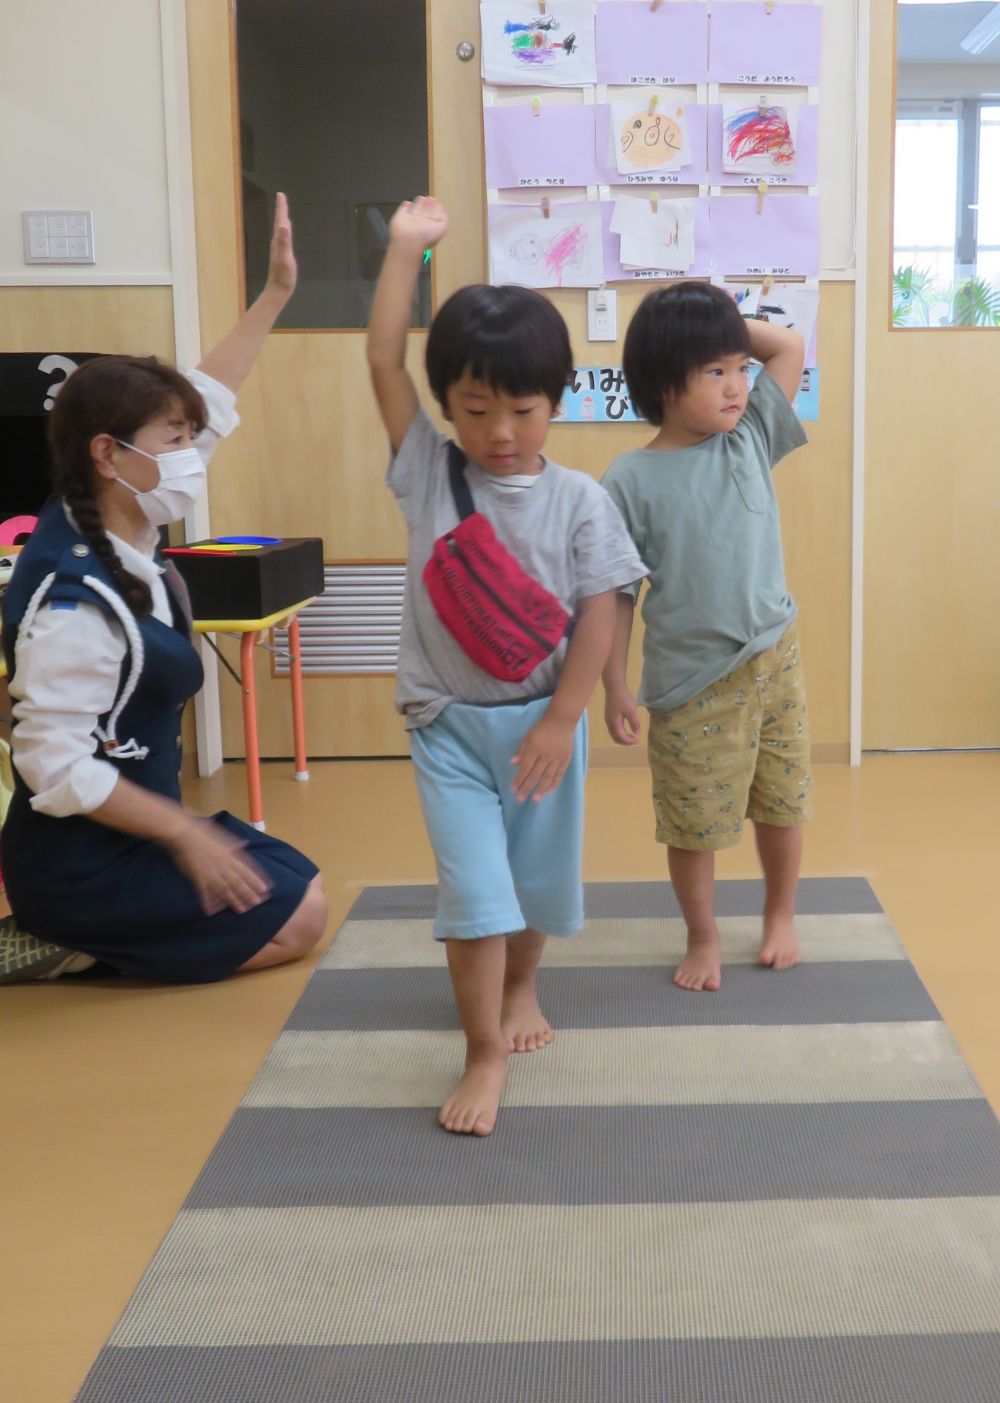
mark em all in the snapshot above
pixel 81 111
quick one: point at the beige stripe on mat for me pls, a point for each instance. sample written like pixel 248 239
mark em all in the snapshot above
pixel 497 1274
pixel 620 941
pixel 628 1066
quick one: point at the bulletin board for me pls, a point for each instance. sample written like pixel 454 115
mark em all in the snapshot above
pixel 649 140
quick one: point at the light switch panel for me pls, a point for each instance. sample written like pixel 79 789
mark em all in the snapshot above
pixel 58 236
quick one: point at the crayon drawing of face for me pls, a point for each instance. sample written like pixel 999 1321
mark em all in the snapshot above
pixel 526 249
pixel 652 142
pixel 533 41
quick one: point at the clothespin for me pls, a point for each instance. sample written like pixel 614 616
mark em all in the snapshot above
pixel 655 5
pixel 545 206
pixel 761 106
pixel 654 201
pixel 766 286
pixel 769 7
pixel 541 6
pixel 653 103
pixel 761 195
pixel 536 106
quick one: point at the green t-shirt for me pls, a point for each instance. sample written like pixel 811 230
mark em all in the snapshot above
pixel 705 521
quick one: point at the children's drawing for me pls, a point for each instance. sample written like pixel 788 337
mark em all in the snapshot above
pixel 758 140
pixel 522 45
pixel 560 250
pixel 648 139
pixel 655 234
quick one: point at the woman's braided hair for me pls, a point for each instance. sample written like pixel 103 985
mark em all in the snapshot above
pixel 113 395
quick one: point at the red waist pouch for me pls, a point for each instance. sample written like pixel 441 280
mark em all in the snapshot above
pixel 501 618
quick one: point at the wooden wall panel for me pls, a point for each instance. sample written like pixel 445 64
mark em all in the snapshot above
pixel 932 500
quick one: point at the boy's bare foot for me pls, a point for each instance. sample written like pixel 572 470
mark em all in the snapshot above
pixel 472 1107
pixel 780 949
pixel 701 968
pixel 522 1021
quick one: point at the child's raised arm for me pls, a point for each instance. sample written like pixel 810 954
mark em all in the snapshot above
pixel 781 351
pixel 231 360
pixel 415 227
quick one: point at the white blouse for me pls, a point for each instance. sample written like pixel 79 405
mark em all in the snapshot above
pixel 68 664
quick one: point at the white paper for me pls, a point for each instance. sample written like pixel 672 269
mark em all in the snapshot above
pixel 789 304
pixel 756 143
pixel 655 238
pixel 564 250
pixel 649 141
pixel 524 47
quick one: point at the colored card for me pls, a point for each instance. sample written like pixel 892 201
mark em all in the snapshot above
pixel 597 394
pixel 692 173
pixel 649 136
pixel 804 171
pixel 524 46
pixel 654 233
pixel 556 147
pixel 806 402
pixel 563 250
pixel 751 45
pixel 637 44
pixel 753 238
pixel 615 272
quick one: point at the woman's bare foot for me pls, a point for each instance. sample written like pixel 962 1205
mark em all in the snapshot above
pixel 701 967
pixel 472 1107
pixel 522 1021
pixel 780 949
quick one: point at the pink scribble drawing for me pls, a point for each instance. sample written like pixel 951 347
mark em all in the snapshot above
pixel 566 250
pixel 760 134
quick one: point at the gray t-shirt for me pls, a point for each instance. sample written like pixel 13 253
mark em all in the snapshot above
pixel 564 531
pixel 705 521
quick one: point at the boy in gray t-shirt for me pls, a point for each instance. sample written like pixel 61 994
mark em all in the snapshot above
pixel 728 736
pixel 499 746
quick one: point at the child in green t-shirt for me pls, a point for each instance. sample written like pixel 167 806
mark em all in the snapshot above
pixel 722 679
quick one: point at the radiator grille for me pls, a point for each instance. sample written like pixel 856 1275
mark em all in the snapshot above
pixel 353 627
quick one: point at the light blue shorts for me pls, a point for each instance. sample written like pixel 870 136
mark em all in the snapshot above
pixel 502 866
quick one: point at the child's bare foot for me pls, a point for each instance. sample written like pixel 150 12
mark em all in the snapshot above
pixel 701 967
pixel 780 949
pixel 472 1107
pixel 522 1022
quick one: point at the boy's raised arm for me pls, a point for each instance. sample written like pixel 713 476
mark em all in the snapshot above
pixel 416 226
pixel 781 351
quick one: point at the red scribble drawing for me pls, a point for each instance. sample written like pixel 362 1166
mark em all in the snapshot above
pixel 760 135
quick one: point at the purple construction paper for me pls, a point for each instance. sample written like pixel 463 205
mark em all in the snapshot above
pixel 637 44
pixel 782 239
pixel 806 170
pixel 555 148
pixel 615 273
pixel 748 45
pixel 694 174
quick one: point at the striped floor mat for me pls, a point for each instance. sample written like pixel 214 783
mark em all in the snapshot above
pixel 785 1192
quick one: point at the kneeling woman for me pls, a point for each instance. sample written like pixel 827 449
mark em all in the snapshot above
pixel 101 861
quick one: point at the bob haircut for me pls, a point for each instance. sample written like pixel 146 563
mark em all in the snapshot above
pixel 511 338
pixel 675 331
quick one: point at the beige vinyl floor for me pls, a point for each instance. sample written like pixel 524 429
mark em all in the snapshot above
pixel 111 1099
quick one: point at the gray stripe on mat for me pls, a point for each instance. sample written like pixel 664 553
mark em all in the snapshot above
pixel 817 896
pixel 862 991
pixel 359 1158
pixel 865 1369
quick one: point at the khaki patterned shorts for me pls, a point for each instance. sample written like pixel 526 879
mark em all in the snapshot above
pixel 739 749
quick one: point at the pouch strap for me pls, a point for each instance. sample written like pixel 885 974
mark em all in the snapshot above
pixel 459 486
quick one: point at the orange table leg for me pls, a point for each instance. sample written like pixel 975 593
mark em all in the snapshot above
pixel 298 710
pixel 250 737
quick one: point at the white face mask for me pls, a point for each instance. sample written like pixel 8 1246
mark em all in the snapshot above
pixel 182 476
